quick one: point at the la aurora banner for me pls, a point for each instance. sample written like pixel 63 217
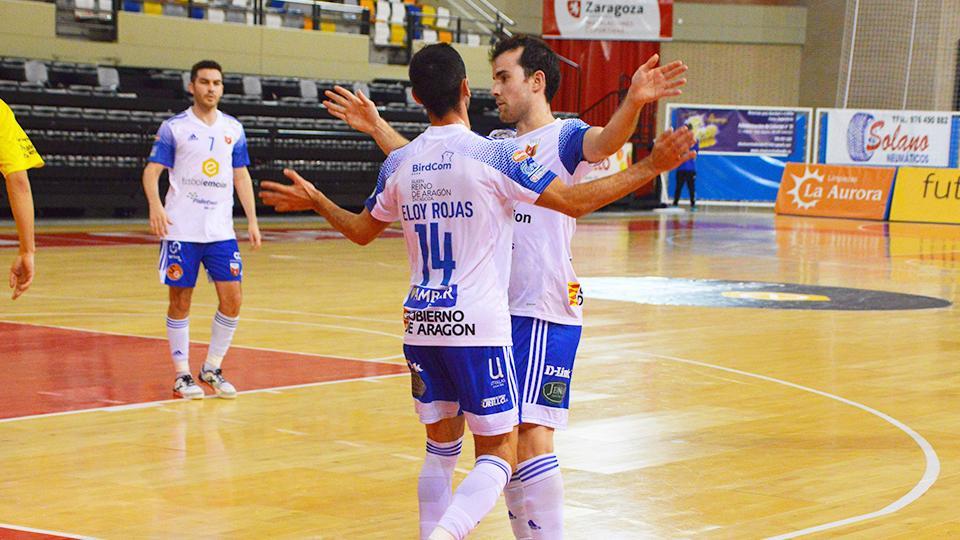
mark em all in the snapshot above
pixel 620 20
pixel 886 138
pixel 835 191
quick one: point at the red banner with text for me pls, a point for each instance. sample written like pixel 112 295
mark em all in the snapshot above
pixel 835 191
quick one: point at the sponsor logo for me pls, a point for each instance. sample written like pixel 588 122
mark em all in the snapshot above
pixel 573 8
pixel 207 203
pixel 554 392
pixel 203 182
pixel 437 323
pixel 495 368
pixel 533 525
pixel 533 169
pixel 866 135
pixel 174 272
pixel 927 195
pixel 446 157
pixel 193 137
pixel 574 294
pixel 617 10
pixel 210 167
pixel 178 353
pixel 835 190
pixel 236 255
pixel 234 268
pixel 520 156
pixel 430 167
pixel 173 247
pixel 425 297
pixel 486 403
pixel 556 371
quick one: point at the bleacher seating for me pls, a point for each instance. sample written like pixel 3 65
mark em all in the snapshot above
pixel 95 136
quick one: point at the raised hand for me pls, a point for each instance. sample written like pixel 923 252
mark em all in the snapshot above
pixel 355 109
pixel 650 83
pixel 671 149
pixel 296 197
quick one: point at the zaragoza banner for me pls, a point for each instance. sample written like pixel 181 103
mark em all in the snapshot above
pixel 619 20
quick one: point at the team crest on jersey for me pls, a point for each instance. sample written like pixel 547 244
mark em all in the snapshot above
pixel 210 167
pixel 574 294
pixel 520 156
pixel 228 139
pixel 234 268
pixel 531 148
pixel 174 272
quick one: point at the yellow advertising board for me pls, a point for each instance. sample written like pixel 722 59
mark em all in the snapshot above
pixel 926 195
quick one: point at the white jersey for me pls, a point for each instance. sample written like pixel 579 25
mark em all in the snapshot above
pixel 454 192
pixel 543 283
pixel 200 160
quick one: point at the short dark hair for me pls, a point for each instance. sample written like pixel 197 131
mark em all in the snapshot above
pixel 437 71
pixel 536 56
pixel 204 64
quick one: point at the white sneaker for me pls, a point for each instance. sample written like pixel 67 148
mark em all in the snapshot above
pixel 186 388
pixel 214 378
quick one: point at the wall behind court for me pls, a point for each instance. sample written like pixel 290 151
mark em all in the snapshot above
pixel 176 43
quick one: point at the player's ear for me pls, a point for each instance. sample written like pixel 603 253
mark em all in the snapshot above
pixel 416 97
pixel 465 88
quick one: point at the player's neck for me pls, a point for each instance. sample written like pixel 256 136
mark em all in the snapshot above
pixel 536 118
pixel 207 116
pixel 454 116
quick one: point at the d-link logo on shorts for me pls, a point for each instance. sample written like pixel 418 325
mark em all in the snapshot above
pixel 211 168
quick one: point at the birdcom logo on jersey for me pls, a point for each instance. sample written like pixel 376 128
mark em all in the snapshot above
pixel 445 164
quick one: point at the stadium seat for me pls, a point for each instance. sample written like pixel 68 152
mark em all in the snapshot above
pixel 153 8
pixel 36 72
pixel 308 90
pixel 443 17
pixel 108 78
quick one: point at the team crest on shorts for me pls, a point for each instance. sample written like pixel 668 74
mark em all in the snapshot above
pixel 174 272
pixel 554 392
pixel 417 385
pixel 234 269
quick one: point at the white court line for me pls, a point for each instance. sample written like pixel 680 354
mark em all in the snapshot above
pixel 42 531
pixel 148 404
pixel 264 349
pixel 140 314
pixel 930 473
pixel 245 308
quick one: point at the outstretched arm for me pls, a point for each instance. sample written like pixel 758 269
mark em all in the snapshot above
pixel 301 195
pixel 672 149
pixel 649 84
pixel 361 114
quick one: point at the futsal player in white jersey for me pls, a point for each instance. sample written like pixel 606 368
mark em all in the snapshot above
pixel 454 191
pixel 545 296
pixel 205 152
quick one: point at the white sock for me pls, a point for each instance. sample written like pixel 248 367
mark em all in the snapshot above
pixel 435 486
pixel 543 496
pixel 221 334
pixel 475 496
pixel 178 335
pixel 513 493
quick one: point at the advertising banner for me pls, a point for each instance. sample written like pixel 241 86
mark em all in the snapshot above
pixel 886 138
pixel 741 131
pixel 835 191
pixel 926 195
pixel 619 20
pixel 612 164
pixel 743 149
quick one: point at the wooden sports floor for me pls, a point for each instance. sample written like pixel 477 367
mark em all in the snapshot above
pixel 702 408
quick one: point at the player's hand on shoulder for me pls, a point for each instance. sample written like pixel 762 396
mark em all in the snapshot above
pixel 672 148
pixel 296 197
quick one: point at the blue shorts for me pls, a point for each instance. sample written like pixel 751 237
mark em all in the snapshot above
pixel 545 352
pixel 180 262
pixel 480 382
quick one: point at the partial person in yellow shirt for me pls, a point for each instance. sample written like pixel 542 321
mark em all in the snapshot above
pixel 17 155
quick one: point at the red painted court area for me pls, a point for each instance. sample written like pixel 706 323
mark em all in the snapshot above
pixel 99 239
pixel 50 370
